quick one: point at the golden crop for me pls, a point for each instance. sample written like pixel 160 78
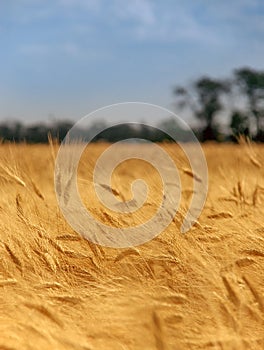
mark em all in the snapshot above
pixel 201 290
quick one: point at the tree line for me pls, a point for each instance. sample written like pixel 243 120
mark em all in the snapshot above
pixel 238 99
pixel 241 97
pixel 40 133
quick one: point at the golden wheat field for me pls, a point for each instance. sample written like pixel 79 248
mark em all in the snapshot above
pixel 199 290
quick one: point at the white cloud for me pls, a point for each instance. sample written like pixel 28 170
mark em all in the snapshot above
pixel 157 22
pixel 70 49
pixel 211 23
pixel 34 49
pixel 201 21
pixel 37 49
pixel 141 11
pixel 67 49
pixel 217 24
pixel 91 5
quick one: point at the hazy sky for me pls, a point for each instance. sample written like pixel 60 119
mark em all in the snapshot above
pixel 65 58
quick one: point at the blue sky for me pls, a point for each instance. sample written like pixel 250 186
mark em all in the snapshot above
pixel 65 58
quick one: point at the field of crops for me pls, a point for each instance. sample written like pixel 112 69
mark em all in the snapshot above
pixel 199 290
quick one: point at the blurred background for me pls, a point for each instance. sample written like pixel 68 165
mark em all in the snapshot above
pixel 62 59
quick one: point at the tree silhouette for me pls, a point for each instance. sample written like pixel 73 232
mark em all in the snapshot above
pixel 251 83
pixel 239 124
pixel 204 100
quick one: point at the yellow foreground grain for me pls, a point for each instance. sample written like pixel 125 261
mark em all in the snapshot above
pixel 202 290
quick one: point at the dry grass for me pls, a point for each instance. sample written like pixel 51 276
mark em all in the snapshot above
pixel 202 290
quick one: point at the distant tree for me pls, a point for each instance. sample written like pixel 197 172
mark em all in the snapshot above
pixel 59 129
pixel 204 98
pixel 116 133
pixel 251 83
pixel 5 132
pixel 17 131
pixel 36 133
pixel 239 124
pixel 175 131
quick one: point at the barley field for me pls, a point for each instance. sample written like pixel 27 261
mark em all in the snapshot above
pixel 199 290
